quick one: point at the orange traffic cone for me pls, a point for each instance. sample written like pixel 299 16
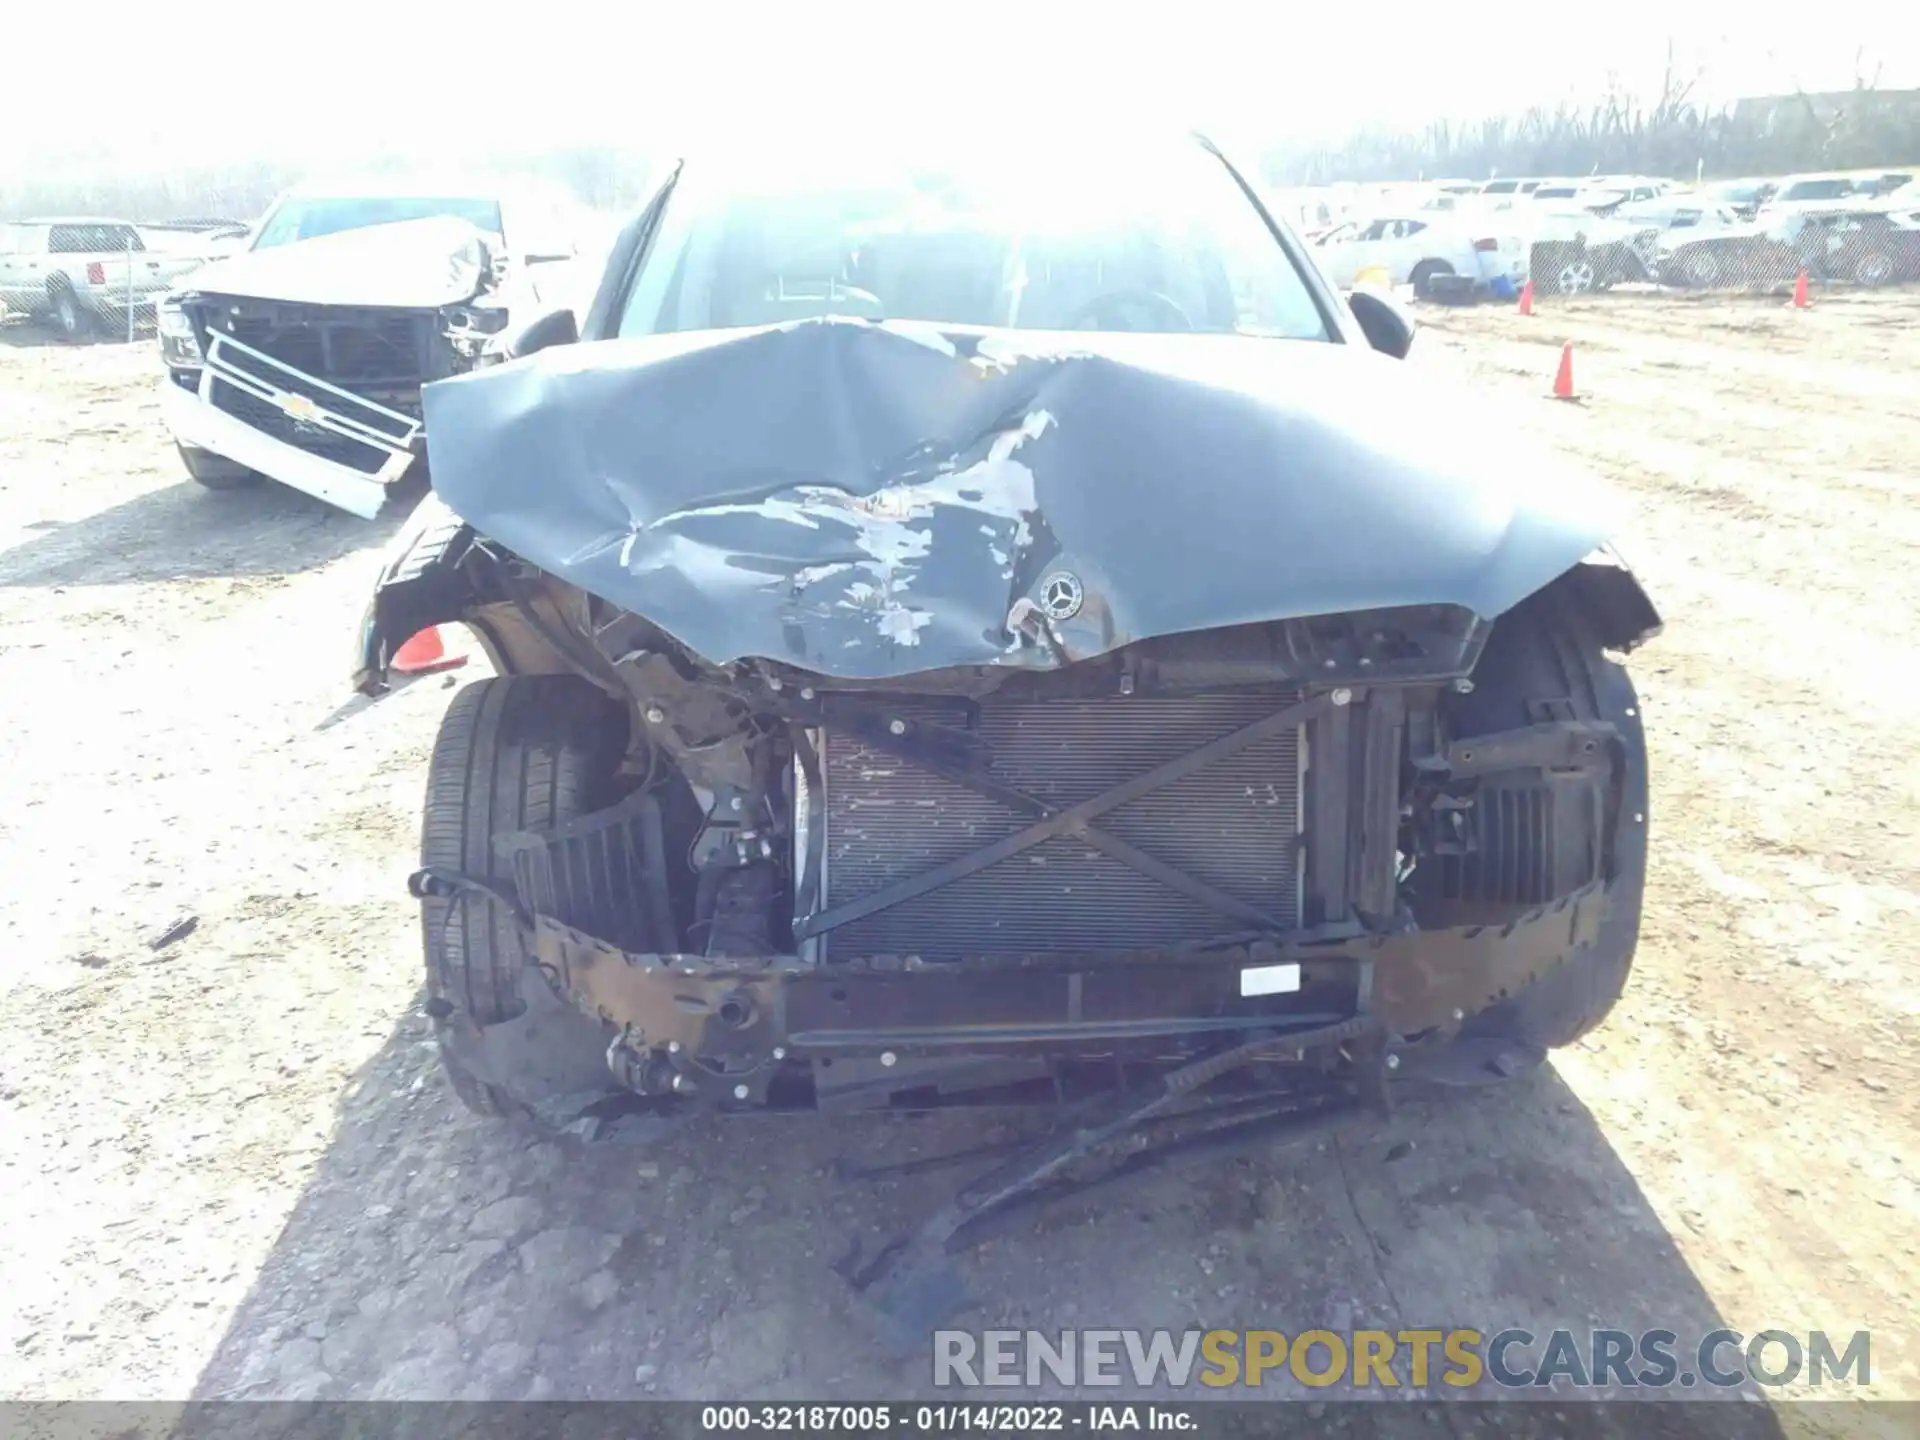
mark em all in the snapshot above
pixel 1563 382
pixel 1526 298
pixel 424 654
pixel 1800 291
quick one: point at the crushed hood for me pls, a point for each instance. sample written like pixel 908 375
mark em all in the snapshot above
pixel 411 264
pixel 867 501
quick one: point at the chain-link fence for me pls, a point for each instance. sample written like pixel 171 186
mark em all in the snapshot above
pixel 97 280
pixel 1855 248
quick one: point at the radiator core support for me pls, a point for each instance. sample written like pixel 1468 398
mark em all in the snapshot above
pixel 1221 843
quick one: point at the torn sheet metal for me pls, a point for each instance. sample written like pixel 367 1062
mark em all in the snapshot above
pixel 872 500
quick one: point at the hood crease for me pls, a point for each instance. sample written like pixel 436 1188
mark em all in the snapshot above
pixel 857 501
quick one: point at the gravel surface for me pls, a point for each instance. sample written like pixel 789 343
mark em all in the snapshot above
pixel 230 1167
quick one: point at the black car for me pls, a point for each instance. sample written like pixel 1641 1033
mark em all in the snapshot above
pixel 1851 245
pixel 1006 633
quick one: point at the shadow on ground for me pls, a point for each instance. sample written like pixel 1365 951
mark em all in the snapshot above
pixel 437 1256
pixel 19 334
pixel 188 532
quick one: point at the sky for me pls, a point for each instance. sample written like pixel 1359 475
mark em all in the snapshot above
pixel 225 80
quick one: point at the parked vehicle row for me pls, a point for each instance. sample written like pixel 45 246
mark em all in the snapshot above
pixel 1424 251
pixel 1320 208
pixel 1680 238
pixel 1860 246
pixel 1602 193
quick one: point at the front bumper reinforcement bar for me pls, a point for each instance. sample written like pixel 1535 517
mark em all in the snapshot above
pixel 742 1008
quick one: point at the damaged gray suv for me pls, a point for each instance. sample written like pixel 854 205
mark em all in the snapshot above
pixel 1006 633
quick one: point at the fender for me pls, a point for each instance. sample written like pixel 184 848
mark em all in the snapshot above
pixel 439 571
pixel 1607 590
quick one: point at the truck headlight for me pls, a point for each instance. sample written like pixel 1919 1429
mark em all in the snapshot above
pixel 473 320
pixel 179 346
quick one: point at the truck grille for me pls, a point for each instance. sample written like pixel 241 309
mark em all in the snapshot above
pixel 1234 825
pixel 346 346
pixel 301 410
pixel 270 419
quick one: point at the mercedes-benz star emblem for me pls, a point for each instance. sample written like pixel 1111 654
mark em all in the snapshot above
pixel 1061 594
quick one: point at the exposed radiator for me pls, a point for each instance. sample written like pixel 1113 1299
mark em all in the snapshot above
pixel 1233 824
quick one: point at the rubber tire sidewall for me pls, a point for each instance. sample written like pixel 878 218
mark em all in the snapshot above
pixel 1701 270
pixel 1421 277
pixel 66 314
pixel 1591 284
pixel 215 472
pixel 514 753
pixel 1548 642
pixel 1861 266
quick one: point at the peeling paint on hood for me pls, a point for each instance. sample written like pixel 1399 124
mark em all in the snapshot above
pixel 852 499
pixel 410 265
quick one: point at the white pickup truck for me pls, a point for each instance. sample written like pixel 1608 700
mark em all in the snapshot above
pixel 78 273
pixel 301 358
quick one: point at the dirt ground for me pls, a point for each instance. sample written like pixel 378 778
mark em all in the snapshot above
pixel 230 1167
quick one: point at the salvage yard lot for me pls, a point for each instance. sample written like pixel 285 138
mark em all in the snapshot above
pixel 229 1166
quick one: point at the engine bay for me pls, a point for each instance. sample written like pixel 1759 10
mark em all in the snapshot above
pixel 1154 798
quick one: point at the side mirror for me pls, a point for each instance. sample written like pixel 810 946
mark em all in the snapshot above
pixel 542 332
pixel 1387 326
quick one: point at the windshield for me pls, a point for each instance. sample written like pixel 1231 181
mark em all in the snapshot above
pixel 1817 190
pixel 1167 242
pixel 308 217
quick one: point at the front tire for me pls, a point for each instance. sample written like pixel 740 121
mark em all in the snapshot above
pixel 215 472
pixel 1424 275
pixel 1700 269
pixel 1873 268
pixel 67 315
pixel 523 752
pixel 1577 277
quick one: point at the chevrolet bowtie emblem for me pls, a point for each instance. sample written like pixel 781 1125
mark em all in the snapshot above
pixel 300 407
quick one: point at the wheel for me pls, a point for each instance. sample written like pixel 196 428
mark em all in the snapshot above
pixel 1700 268
pixel 216 472
pixel 523 752
pixel 1424 274
pixel 1873 268
pixel 1577 277
pixel 1538 840
pixel 69 319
